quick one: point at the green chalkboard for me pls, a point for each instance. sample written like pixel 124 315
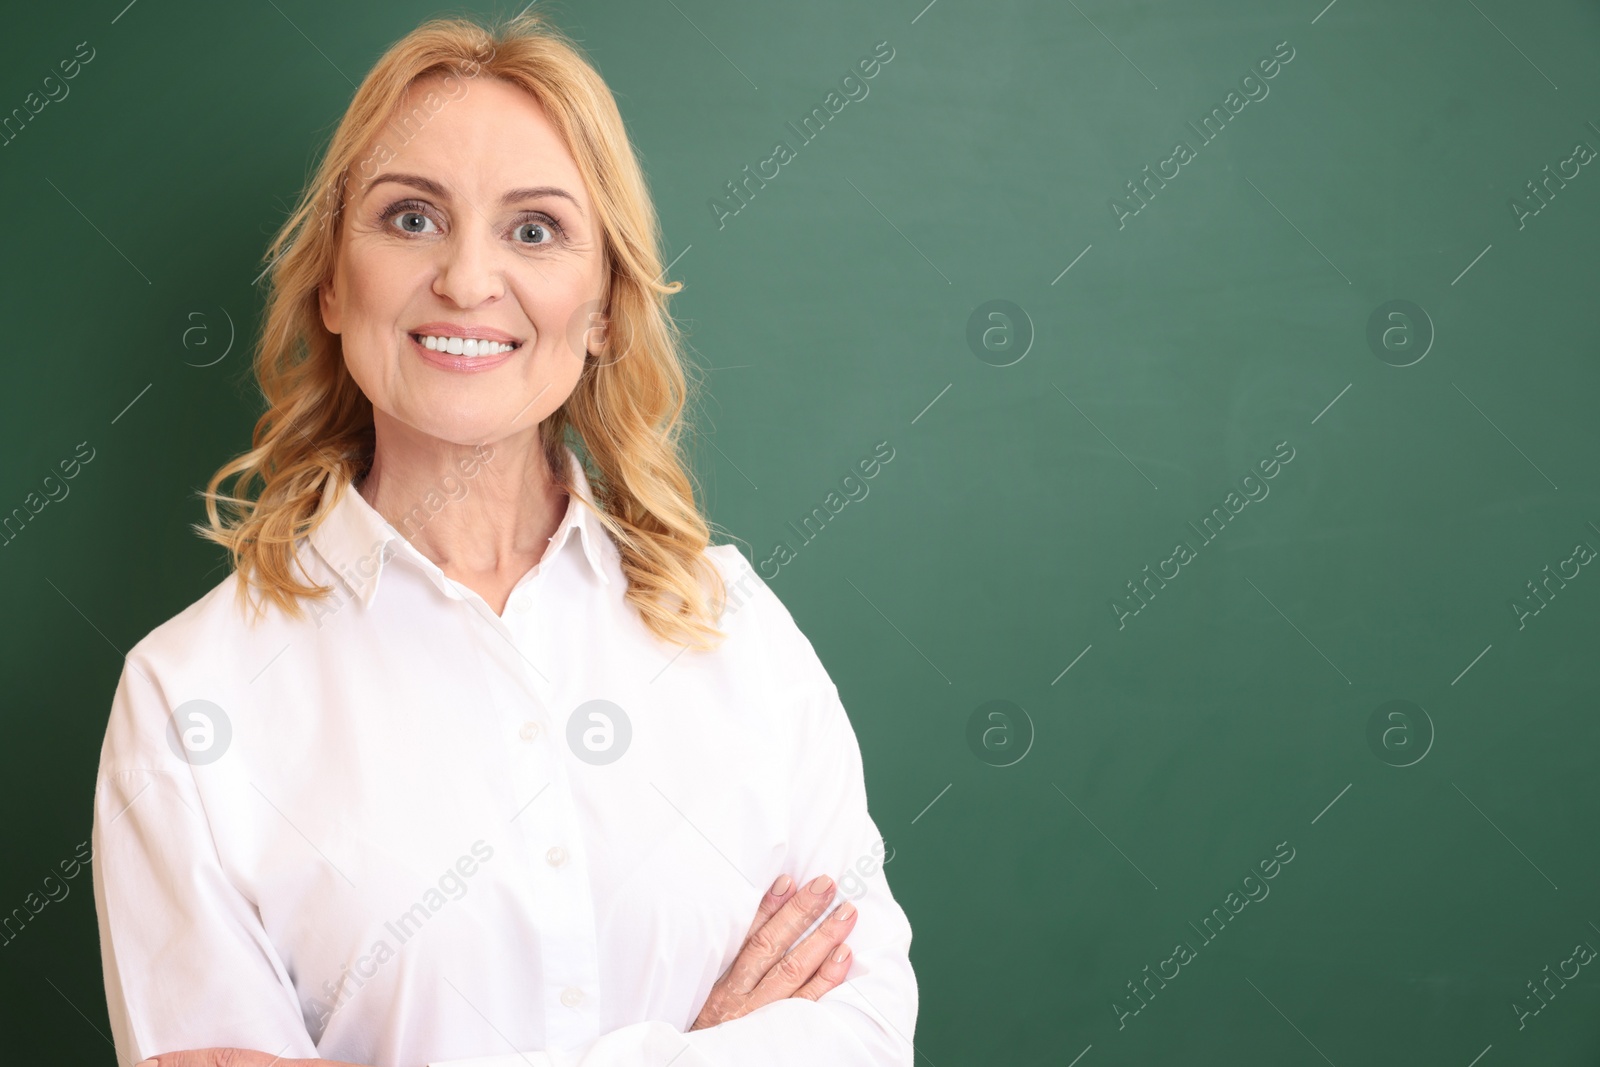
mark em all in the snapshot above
pixel 1219 624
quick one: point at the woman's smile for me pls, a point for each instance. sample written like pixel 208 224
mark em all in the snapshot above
pixel 462 348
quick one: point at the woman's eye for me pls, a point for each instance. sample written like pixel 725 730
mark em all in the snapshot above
pixel 413 222
pixel 527 231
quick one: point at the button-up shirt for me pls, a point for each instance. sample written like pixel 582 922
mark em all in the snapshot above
pixel 408 830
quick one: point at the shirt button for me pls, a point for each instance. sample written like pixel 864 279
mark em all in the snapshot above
pixel 520 602
pixel 556 856
pixel 572 996
pixel 529 731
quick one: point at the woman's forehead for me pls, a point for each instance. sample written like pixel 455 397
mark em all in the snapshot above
pixel 485 141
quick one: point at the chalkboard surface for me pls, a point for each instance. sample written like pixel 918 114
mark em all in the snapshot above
pixel 1219 622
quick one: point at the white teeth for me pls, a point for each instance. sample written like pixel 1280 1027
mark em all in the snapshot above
pixel 458 346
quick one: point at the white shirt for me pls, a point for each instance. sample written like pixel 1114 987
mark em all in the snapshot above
pixel 398 843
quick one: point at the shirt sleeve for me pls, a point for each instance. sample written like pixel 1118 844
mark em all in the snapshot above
pixel 187 963
pixel 870 1018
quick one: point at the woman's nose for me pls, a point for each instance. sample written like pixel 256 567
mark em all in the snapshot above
pixel 468 272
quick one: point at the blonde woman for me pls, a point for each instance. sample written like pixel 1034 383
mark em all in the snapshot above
pixel 483 755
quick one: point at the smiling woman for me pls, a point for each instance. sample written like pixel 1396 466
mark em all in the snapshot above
pixel 511 674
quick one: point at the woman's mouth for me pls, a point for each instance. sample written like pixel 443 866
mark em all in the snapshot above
pixel 462 353
pixel 461 346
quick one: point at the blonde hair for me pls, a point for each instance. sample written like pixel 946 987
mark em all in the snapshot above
pixel 626 412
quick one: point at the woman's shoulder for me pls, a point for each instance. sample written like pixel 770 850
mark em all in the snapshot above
pixel 217 626
pixel 218 641
pixel 208 656
pixel 159 672
pixel 742 587
pixel 754 613
pixel 729 560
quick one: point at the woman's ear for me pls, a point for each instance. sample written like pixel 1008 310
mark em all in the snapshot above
pixel 329 301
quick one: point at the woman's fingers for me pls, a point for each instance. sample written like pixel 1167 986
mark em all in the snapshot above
pixel 771 901
pixel 829 975
pixel 219 1057
pixel 765 970
pixel 766 946
pixel 794 970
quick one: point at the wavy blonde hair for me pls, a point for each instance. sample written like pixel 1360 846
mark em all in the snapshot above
pixel 625 413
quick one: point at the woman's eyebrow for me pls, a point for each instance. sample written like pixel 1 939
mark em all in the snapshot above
pixel 536 192
pixel 427 185
pixel 434 189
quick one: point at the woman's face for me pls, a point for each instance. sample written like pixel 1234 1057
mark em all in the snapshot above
pixel 470 221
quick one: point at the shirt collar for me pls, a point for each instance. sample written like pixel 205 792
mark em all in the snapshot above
pixel 356 541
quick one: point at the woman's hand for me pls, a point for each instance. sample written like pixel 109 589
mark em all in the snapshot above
pixel 764 971
pixel 809 971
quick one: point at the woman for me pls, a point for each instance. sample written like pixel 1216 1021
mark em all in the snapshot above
pixel 472 760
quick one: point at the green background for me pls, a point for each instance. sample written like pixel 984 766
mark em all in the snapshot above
pixel 833 312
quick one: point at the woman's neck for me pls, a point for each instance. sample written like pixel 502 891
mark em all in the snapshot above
pixel 484 513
